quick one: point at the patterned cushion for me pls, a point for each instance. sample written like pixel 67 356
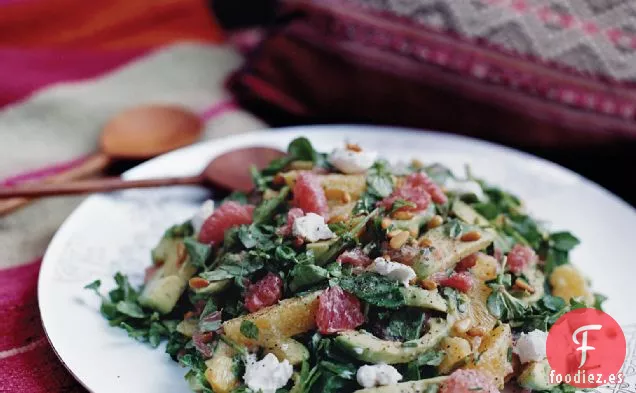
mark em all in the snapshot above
pixel 528 72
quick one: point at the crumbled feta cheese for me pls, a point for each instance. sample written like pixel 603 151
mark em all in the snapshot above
pixel 369 376
pixel 463 187
pixel 312 228
pixel 349 161
pixel 531 347
pixel 393 270
pixel 266 375
pixel 205 211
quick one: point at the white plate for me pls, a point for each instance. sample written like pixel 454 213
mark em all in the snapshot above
pixel 114 232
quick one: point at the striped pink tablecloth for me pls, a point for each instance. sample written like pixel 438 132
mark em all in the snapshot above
pixel 52 105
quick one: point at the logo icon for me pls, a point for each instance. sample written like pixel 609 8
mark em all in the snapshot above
pixel 586 348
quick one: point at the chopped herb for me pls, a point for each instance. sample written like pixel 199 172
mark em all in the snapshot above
pixel 249 329
pixel 121 308
pixel 198 252
pixel 454 228
pixel 374 289
pixel 379 179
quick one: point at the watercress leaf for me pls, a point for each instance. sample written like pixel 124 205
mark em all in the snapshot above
pixel 155 334
pixel 564 241
pixel 401 203
pixel 211 322
pixel 264 212
pixel 374 289
pixel 405 324
pixel 411 372
pixel 236 196
pixel 454 228
pixel 285 254
pixel 303 275
pixel 139 334
pixel 379 179
pixel 301 149
pixel 576 303
pixel 598 301
pixel 198 252
pixel 553 259
pixel 130 309
pixel 495 304
pixel 94 285
pixel 260 179
pixel 235 266
pixel 180 230
pixel 552 303
pixel 345 371
pixel 430 358
pixel 249 329
pixel 365 204
pixel 487 209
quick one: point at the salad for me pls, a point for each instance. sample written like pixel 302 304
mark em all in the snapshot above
pixel 342 273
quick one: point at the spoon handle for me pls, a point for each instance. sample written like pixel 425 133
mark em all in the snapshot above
pixel 95 185
pixel 91 166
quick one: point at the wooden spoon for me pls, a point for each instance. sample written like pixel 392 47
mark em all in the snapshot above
pixel 230 171
pixel 137 133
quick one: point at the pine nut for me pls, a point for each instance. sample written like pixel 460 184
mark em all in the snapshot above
pixel 523 285
pixel 198 282
pixel 463 325
pixel 417 164
pixel 338 218
pixel 394 233
pixel 402 215
pixel 414 232
pixel 471 236
pixel 386 223
pixel 334 194
pixel 354 147
pixel 428 284
pixel 424 242
pixel 398 240
pixel 346 197
pixel 476 331
pixel 434 222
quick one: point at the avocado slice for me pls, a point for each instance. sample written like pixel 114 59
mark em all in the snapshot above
pixel 369 348
pixel 446 251
pixel 420 386
pixel 467 214
pixel 165 288
pixel 289 349
pixel 320 248
pixel 161 293
pixel 422 298
pixel 535 376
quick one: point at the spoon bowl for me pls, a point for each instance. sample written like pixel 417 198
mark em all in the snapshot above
pixel 146 131
pixel 229 170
